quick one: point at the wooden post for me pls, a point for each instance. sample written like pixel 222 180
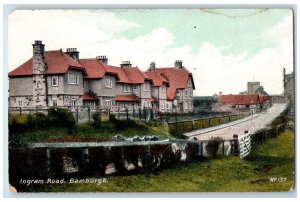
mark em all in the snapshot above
pixel 77 114
pixel 48 161
pixel 223 148
pixel 89 113
pixel 201 149
pixel 127 118
pixel 235 145
pixel 20 109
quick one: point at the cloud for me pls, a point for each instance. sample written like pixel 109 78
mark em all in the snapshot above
pixel 213 68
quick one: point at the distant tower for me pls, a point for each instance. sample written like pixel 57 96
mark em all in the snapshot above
pixel 38 71
pixel 252 87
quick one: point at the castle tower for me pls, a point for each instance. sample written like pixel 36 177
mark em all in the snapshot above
pixel 38 71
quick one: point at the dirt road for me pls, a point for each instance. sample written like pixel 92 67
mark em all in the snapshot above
pixel 252 124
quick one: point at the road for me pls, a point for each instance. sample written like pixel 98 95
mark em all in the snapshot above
pixel 253 123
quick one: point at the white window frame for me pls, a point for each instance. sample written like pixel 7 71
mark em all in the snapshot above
pixel 73 79
pixel 108 103
pixel 108 83
pixel 186 92
pixel 135 87
pixel 125 88
pixel 53 79
pixel 178 93
pixel 167 106
pixel 73 104
pixel 163 105
pixel 20 103
pixel 186 105
pixel 163 89
pixel 146 87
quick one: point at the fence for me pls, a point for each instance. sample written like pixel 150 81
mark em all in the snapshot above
pixel 261 136
pixel 86 113
pixel 187 126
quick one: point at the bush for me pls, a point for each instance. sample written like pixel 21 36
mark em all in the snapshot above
pixel 212 146
pixel 97 120
pixel 62 117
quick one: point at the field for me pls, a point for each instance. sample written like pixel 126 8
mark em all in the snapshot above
pixel 270 168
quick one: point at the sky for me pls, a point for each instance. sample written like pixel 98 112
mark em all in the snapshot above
pixel 223 48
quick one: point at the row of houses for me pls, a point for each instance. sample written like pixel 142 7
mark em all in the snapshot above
pixel 62 79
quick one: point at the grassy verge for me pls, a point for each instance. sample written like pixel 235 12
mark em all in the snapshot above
pixel 275 158
pixel 86 130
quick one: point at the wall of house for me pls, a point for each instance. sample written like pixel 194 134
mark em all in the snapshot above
pixel 98 86
pixel 21 86
pixel 73 89
pixel 55 90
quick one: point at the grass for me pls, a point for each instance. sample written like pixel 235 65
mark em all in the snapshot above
pixel 275 158
pixel 86 130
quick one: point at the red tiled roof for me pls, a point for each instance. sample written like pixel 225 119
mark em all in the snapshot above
pixel 247 99
pixel 118 71
pixel 263 98
pixel 177 78
pixel 88 96
pixel 93 67
pixel 126 98
pixel 57 63
pixel 134 75
pixel 157 79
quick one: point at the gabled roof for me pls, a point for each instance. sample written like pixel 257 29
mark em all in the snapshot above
pixel 126 98
pixel 177 78
pixel 94 68
pixel 57 63
pixel 134 75
pixel 247 99
pixel 118 71
pixel 157 79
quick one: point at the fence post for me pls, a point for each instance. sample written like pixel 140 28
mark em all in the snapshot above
pixel 235 145
pixel 192 124
pixel 77 114
pixel 89 113
pixel 118 112
pixel 48 161
pixel 201 149
pixel 223 148
pixel 20 108
pixel 127 114
pixel 133 112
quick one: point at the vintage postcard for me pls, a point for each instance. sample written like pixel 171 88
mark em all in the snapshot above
pixel 151 100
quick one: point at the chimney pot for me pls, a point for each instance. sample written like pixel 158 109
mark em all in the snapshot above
pixel 102 58
pixel 178 63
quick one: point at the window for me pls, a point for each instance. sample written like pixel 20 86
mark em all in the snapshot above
pixel 54 80
pixel 186 92
pixel 135 87
pixel 162 105
pixel 191 92
pixel 108 83
pixel 186 105
pixel 163 89
pixel 125 88
pixel 20 103
pixel 73 104
pixel 73 79
pixel 167 106
pixel 54 103
pixel 146 87
pixel 178 92
pixel 108 103
pixel 91 104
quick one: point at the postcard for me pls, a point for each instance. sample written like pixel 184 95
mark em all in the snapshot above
pixel 151 100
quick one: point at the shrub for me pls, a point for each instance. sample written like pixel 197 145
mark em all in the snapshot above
pixel 212 146
pixel 97 120
pixel 112 118
pixel 62 117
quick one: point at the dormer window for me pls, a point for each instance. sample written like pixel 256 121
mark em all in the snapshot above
pixel 73 79
pixel 135 87
pixel 108 83
pixel 125 88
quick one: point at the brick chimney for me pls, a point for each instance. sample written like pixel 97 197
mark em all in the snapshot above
pixel 103 59
pixel 125 64
pixel 73 53
pixel 178 64
pixel 39 67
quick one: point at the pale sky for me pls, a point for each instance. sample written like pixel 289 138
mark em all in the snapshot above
pixel 223 48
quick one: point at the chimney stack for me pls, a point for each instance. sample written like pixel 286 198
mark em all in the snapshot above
pixel 178 64
pixel 220 93
pixel 103 59
pixel 125 64
pixel 73 53
pixel 152 66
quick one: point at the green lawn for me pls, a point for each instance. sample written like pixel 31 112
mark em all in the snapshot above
pixel 275 158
